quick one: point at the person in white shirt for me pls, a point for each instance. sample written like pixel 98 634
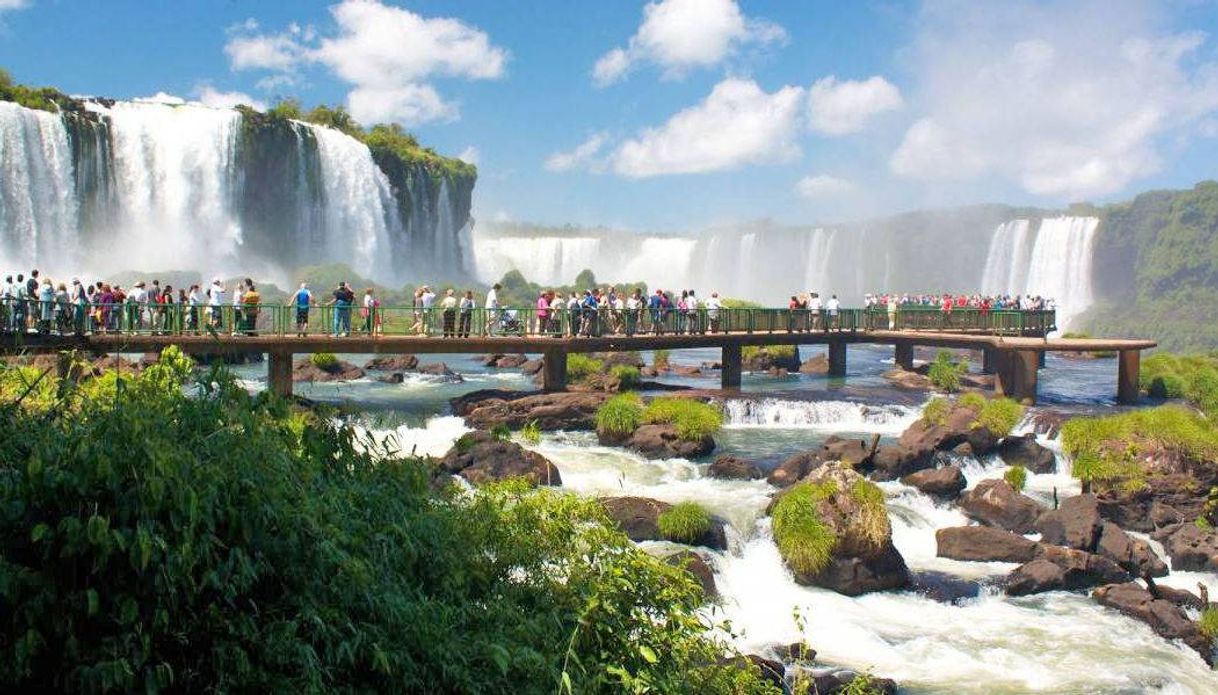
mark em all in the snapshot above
pixel 814 309
pixel 492 309
pixel 238 295
pixel 215 300
pixel 712 311
pixel 193 301
pixel 832 306
pixel 136 301
pixel 556 307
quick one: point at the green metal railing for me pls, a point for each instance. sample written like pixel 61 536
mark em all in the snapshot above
pixel 288 320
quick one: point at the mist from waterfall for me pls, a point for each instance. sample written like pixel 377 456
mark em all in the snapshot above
pixel 1054 262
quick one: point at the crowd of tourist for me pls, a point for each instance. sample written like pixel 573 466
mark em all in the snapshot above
pixel 37 303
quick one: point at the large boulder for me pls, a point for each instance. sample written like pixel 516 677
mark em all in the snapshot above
pixel 853 452
pixel 308 370
pixel 441 370
pixel 480 457
pixel 697 566
pixel 661 441
pixel 942 483
pixel 984 544
pixel 1063 569
pixel 393 363
pixel 509 362
pixel 532 367
pixel 1191 548
pixel 639 519
pixel 1134 554
pixel 734 468
pixel 837 681
pixel 551 411
pixel 915 449
pixel 1166 618
pixel 817 364
pixel 851 510
pixel 944 587
pixel 995 503
pixel 765 359
pixel 1077 524
pixel 1027 452
pixel 795 467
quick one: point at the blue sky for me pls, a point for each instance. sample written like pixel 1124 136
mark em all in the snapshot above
pixel 709 111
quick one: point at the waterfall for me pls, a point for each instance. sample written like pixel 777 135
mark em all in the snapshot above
pixel 38 208
pixel 147 187
pixel 1061 264
pixel 1006 263
pixel 829 416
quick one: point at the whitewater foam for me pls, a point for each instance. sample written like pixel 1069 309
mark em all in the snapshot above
pixel 829 416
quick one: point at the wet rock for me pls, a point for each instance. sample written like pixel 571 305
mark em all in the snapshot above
pixel 393 363
pixel 817 364
pixel 661 441
pixel 638 517
pixel 942 483
pixel 1133 554
pixel 795 467
pixel 778 372
pixel 531 367
pixel 306 370
pixel 612 359
pixel 1063 569
pixel 649 372
pixel 764 360
pixel 1025 451
pixel 984 544
pixel 480 458
pixel 995 503
pixel 944 587
pixel 440 369
pixel 1048 423
pixel 853 452
pixel 551 411
pixel 733 468
pixel 510 361
pixel 1191 548
pixel 1075 524
pixel 836 681
pixel 1164 617
pixel 771 671
pixel 915 450
pixel 679 370
pixel 795 652
pixel 106 363
pixel 395 378
pixel 697 566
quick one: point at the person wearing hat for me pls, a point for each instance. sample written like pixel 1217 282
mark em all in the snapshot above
pixel 449 307
pixel 303 299
pixel 215 301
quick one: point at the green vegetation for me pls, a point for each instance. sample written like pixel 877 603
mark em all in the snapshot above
pixel 777 352
pixel 862 684
pixel 1111 451
pixel 30 387
pixel 39 98
pixel 693 419
pixel 231 543
pixel 659 359
pixel 324 360
pixel 627 375
pixel 936 410
pixel 803 539
pixel 1016 477
pixel 1000 416
pixel 1208 623
pixel 945 374
pixel 731 303
pixel 684 522
pixel 501 432
pixel 1191 377
pixel 531 433
pixel 871 523
pixel 620 415
pixel 581 367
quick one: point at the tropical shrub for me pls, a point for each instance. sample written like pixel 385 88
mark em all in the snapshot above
pixel 945 374
pixel 627 375
pixel 217 541
pixel 684 522
pixel 1016 477
pixel 580 367
pixel 620 415
pixel 692 418
pixel 1000 416
pixel 659 359
pixel 1191 377
pixel 803 539
pixel 936 410
pixel 324 360
pixel 1111 450
pixel 1208 623
pixel 531 433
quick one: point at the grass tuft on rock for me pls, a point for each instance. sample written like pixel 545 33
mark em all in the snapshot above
pixel 1207 624
pixel 936 410
pixel 627 375
pixel 1000 416
pixel 620 415
pixel 1016 477
pixel 580 367
pixel 684 522
pixel 324 360
pixel 1111 451
pixel 692 418
pixel 872 522
pixel 531 433
pixel 945 374
pixel 805 542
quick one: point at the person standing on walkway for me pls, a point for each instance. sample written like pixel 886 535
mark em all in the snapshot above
pixel 80 306
pixel 303 299
pixel 833 307
pixel 251 302
pixel 892 312
pixel 467 314
pixel 449 306
pixel 492 309
pixel 429 307
pixel 367 312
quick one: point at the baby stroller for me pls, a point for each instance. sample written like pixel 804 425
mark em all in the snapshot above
pixel 509 322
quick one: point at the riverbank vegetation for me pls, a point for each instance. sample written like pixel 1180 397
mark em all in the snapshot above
pixel 1114 451
pixel 217 541
pixel 1193 378
pixel 693 419
pixel 945 372
pixel 999 415
pixel 684 522
pixel 620 415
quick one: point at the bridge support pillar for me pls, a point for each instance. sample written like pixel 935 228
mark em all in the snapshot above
pixel 1129 367
pixel 279 373
pixel 554 370
pixel 905 356
pixel 837 358
pixel 989 360
pixel 1017 375
pixel 730 366
pixel 1040 359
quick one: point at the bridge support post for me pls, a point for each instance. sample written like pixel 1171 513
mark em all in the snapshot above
pixel 905 356
pixel 989 360
pixel 1129 367
pixel 554 370
pixel 730 365
pixel 1017 375
pixel 279 373
pixel 837 358
pixel 1040 359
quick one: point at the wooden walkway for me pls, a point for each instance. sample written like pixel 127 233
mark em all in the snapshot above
pixel 1014 361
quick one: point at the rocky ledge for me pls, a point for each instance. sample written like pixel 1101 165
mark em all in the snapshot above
pixel 514 409
pixel 639 519
pixel 480 457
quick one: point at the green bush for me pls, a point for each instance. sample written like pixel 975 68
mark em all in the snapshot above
pixel 684 522
pixel 871 523
pixel 227 544
pixel 692 418
pixel 501 432
pixel 1208 623
pixel 805 542
pixel 580 367
pixel 777 352
pixel 627 375
pixel 659 359
pixel 1000 416
pixel 1111 450
pixel 945 374
pixel 973 401
pixel 1016 477
pixel 936 410
pixel 324 360
pixel 1191 377
pixel 531 433
pixel 620 415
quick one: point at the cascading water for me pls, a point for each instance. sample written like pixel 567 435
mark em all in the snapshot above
pixel 148 186
pixel 1006 264
pixel 833 416
pixel 1061 264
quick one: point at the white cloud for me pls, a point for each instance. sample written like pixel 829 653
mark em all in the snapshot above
pixel 502 217
pixel 470 155
pixel 161 98
pixel 840 108
pixel 822 185
pixel 6 5
pixel 681 34
pixel 737 124
pixel 585 155
pixel 210 96
pixel 1066 99
pixel 387 54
